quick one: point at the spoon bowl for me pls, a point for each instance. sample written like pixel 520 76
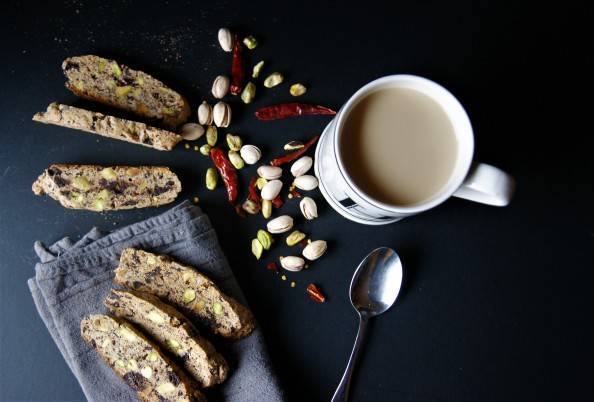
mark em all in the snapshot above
pixel 374 289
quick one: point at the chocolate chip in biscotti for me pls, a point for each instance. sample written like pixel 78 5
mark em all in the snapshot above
pixel 112 83
pixel 99 188
pixel 188 290
pixel 137 360
pixel 173 331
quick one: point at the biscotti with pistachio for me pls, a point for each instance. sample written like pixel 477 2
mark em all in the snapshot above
pixel 138 361
pixel 112 83
pixel 108 126
pixel 99 188
pixel 173 331
pixel 187 289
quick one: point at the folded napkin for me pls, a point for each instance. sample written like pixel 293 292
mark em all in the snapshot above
pixel 72 279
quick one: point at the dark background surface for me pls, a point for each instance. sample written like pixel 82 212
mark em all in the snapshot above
pixel 497 301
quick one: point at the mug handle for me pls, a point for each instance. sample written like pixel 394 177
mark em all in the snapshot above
pixel 488 185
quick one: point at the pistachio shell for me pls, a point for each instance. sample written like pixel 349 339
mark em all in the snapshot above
pixel 220 86
pixel 270 172
pixel 306 182
pixel 301 166
pixel 205 113
pixel 250 154
pixel 221 114
pixel 308 208
pixel 191 131
pixel 282 224
pixel 292 263
pixel 315 250
pixel 271 189
pixel 225 39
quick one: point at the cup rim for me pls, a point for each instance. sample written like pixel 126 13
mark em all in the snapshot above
pixel 464 130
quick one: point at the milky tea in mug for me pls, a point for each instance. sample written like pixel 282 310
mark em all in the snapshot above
pixel 399 146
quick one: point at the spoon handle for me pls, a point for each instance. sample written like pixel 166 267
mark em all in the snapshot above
pixel 342 392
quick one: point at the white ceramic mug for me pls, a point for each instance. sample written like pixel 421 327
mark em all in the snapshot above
pixel 473 181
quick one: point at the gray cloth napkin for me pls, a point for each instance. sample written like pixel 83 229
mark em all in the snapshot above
pixel 72 279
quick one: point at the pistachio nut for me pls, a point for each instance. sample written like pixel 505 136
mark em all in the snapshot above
pixel 81 183
pixel 233 142
pixel 306 182
pixel 99 204
pixel 211 135
pixel 250 154
pixel 271 189
pixel 251 207
pixel 146 372
pixel 281 224
pixel 189 295
pixel 294 238
pixel 109 174
pixel 301 166
pixel 249 93
pixel 220 86
pixel 266 208
pixel 257 248
pixel 250 42
pixel 165 388
pixel 273 80
pixel 205 149
pixel 204 113
pixel 191 131
pixel 236 160
pixel 217 308
pixel 257 69
pixel 225 39
pixel 308 208
pixel 292 263
pixel 261 182
pixel 221 114
pixel 297 89
pixel 314 250
pixel 270 172
pixel 293 146
pixel 211 178
pixel 265 239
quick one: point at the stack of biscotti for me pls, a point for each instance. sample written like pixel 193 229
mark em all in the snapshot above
pixel 114 84
pixel 148 315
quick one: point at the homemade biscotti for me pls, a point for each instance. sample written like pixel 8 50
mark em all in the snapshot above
pixel 99 188
pixel 173 331
pixel 138 361
pixel 108 126
pixel 187 289
pixel 115 84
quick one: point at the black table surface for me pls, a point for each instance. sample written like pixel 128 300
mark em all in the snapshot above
pixel 481 316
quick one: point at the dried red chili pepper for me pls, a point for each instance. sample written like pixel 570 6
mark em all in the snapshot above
pixel 252 192
pixel 277 202
pixel 303 243
pixel 285 110
pixel 237 70
pixel 294 193
pixel 294 155
pixel 315 294
pixel 271 266
pixel 227 172
pixel 239 210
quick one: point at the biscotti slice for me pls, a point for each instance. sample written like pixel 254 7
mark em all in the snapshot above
pixel 99 188
pixel 187 289
pixel 138 361
pixel 173 331
pixel 108 126
pixel 107 81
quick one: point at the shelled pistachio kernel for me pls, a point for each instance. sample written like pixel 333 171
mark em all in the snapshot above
pixel 257 69
pixel 294 238
pixel 250 42
pixel 273 80
pixel 261 182
pixel 211 178
pixel 257 248
pixel 189 295
pixel 211 135
pixel 233 142
pixel 297 89
pixel 265 239
pixel 249 93
pixel 187 146
pixel 266 209
pixel 205 149
pixel 236 160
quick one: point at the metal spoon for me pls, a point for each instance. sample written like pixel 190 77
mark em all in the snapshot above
pixel 374 288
